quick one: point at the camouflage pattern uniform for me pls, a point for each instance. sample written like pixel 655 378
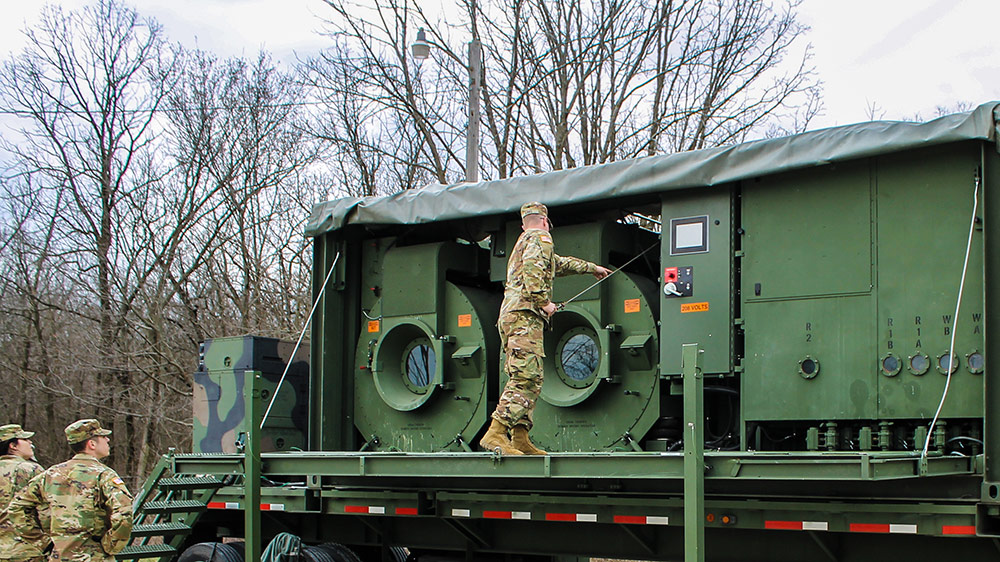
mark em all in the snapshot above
pixel 531 268
pixel 15 472
pixel 90 509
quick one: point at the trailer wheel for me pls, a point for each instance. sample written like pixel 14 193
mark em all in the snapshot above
pixel 317 554
pixel 211 552
pixel 339 552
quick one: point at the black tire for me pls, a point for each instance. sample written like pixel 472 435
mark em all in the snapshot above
pixel 210 552
pixel 399 554
pixel 317 554
pixel 339 552
pixel 240 547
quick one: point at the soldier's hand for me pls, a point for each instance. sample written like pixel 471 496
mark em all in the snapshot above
pixel 549 309
pixel 601 272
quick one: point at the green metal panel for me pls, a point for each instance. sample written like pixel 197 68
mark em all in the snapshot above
pixel 836 334
pixel 333 332
pixel 925 203
pixel 707 315
pixel 806 288
pixel 991 215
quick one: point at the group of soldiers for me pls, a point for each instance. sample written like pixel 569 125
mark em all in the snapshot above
pixel 79 510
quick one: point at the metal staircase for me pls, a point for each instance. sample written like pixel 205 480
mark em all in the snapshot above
pixel 165 511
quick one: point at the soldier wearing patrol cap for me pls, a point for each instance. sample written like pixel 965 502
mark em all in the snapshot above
pixel 89 507
pixel 527 304
pixel 17 467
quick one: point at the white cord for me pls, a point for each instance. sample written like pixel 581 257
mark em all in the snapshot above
pixel 322 290
pixel 954 323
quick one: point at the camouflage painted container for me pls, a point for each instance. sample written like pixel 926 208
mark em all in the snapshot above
pixel 218 403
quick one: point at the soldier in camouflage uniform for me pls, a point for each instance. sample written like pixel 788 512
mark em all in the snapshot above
pixel 527 304
pixel 90 509
pixel 17 467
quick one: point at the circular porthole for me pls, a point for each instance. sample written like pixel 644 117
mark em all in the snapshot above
pixel 919 363
pixel 418 369
pixel 975 362
pixel 890 365
pixel 579 356
pixel 944 361
pixel 406 366
pixel 808 367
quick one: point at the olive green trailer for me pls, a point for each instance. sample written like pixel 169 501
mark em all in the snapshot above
pixel 791 364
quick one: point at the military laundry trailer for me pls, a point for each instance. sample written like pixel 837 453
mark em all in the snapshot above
pixel 794 367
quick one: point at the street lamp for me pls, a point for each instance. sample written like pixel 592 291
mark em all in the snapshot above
pixel 421 49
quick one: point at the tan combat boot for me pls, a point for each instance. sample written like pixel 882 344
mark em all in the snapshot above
pixel 496 438
pixel 521 442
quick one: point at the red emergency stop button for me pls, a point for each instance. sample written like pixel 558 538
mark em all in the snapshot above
pixel 669 274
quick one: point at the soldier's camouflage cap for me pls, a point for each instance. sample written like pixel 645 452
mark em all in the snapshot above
pixel 534 208
pixel 81 430
pixel 14 431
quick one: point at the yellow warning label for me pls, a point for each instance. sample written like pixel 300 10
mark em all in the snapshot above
pixel 694 307
pixel 373 326
pixel 464 320
pixel 631 305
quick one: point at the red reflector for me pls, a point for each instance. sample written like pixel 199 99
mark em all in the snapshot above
pixel 560 517
pixel 497 514
pixel 406 511
pixel 355 509
pixel 785 525
pixel 958 530
pixel 633 519
pixel 869 528
pixel 216 505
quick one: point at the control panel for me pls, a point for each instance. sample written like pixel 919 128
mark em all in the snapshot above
pixel 678 281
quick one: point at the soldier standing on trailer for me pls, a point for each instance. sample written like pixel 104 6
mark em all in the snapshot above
pixel 89 507
pixel 527 305
pixel 17 467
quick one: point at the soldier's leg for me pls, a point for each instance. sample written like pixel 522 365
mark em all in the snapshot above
pixel 525 350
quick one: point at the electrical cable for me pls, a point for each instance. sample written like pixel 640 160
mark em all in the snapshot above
pixel 288 365
pixel 954 325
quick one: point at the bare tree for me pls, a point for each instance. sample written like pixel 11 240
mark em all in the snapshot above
pixel 566 83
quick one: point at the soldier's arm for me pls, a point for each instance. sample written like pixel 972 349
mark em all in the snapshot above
pixel 536 256
pixel 23 510
pixel 569 265
pixel 118 505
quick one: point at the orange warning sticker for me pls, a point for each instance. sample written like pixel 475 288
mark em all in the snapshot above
pixel 694 307
pixel 464 320
pixel 373 326
pixel 631 305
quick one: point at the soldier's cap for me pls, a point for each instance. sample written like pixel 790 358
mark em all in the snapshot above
pixel 81 430
pixel 534 208
pixel 14 431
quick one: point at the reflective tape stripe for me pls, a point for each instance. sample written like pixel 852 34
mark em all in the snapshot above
pixel 883 528
pixel 958 530
pixel 272 507
pixel 223 505
pixel 641 519
pixel 497 514
pixel 520 515
pixel 406 511
pixel 370 509
pixel 797 525
pixel 579 517
pixel 460 513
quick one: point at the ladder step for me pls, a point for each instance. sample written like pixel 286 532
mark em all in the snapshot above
pixel 174 506
pixel 160 529
pixel 139 551
pixel 189 483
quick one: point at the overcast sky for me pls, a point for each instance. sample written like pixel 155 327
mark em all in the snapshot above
pixel 907 57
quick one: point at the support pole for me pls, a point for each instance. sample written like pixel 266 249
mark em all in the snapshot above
pixel 694 454
pixel 472 135
pixel 251 466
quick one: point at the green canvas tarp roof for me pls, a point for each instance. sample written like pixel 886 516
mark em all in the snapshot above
pixel 701 168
